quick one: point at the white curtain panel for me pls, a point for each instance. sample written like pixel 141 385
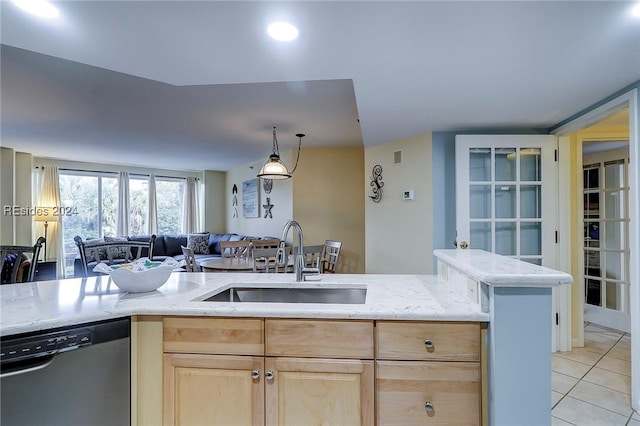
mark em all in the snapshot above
pixel 49 197
pixel 153 206
pixel 190 207
pixel 122 225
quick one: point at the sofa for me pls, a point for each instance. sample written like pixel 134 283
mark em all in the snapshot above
pixel 114 250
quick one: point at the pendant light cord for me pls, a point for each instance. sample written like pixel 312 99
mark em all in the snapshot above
pixel 299 135
pixel 276 149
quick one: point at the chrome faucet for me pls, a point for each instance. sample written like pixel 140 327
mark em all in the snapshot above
pixel 299 265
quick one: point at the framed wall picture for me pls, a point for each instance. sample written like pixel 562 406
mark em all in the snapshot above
pixel 251 198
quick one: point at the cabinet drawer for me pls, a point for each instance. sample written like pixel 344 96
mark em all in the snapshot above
pixel 319 338
pixel 428 341
pixel 214 336
pixel 403 389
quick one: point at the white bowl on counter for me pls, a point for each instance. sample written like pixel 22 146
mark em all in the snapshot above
pixel 141 281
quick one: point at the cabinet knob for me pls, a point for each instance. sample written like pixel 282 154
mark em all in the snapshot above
pixel 269 375
pixel 429 345
pixel 255 374
pixel 428 407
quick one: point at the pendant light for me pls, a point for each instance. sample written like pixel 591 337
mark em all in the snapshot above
pixel 274 168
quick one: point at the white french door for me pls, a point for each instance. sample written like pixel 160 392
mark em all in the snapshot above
pixel 606 239
pixel 506 202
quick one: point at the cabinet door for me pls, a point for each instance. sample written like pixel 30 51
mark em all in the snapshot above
pixel 412 393
pixel 312 391
pixel 213 390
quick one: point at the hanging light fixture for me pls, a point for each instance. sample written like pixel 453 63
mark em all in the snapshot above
pixel 274 168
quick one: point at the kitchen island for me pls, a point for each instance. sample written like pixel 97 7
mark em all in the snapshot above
pixel 478 291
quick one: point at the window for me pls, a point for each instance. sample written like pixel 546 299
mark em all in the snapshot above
pixel 138 206
pixel 169 195
pixel 93 197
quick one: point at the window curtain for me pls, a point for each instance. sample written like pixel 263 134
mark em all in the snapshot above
pixel 122 224
pixel 153 206
pixel 49 197
pixel 190 207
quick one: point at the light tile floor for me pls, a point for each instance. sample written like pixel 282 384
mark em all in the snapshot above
pixel 592 385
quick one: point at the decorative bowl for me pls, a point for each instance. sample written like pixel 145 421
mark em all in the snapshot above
pixel 141 281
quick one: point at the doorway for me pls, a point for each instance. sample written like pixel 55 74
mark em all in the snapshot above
pixel 571 251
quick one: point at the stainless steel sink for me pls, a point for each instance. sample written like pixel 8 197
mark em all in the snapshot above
pixel 341 295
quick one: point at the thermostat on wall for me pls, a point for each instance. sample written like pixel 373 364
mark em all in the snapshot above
pixel 407 194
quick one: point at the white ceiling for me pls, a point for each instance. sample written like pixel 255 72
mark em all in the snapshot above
pixel 197 85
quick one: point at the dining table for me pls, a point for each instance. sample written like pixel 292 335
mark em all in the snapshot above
pixel 235 264
pixel 227 264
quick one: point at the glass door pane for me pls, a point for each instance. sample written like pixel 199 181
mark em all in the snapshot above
pixel 506 198
pixel 480 164
pixel 480 201
pixel 531 201
pixel 505 164
pixel 530 163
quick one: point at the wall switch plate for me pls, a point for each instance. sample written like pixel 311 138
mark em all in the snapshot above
pixel 408 194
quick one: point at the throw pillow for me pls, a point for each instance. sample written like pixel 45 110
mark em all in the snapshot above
pixel 90 252
pixel 118 252
pixel 199 243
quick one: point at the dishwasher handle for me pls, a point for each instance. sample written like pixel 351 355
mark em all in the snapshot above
pixel 40 364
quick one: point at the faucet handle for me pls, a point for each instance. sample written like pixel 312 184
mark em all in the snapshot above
pixel 307 273
pixel 280 256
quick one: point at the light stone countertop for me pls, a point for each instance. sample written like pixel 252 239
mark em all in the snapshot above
pixel 48 304
pixel 501 271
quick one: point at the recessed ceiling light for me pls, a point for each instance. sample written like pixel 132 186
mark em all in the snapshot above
pixel 40 8
pixel 636 10
pixel 282 31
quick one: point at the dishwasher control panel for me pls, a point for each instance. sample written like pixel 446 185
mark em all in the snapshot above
pixel 45 344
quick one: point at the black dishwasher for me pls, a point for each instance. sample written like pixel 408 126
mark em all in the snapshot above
pixel 75 375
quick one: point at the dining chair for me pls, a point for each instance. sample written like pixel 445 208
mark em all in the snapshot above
pixel 265 259
pixel 235 248
pixel 312 255
pixel 190 259
pixel 268 243
pixel 15 259
pixel 330 256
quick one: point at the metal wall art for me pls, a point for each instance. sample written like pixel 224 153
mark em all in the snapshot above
pixel 267 184
pixel 376 183
pixel 234 200
pixel 267 208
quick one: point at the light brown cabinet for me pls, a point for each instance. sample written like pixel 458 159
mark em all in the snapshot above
pixel 212 390
pixel 428 373
pixel 296 372
pixel 248 371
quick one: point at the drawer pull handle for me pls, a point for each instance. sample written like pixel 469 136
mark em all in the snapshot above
pixel 255 374
pixel 429 408
pixel 269 375
pixel 429 345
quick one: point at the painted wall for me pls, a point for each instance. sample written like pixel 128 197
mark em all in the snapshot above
pixel 213 200
pixel 7 178
pixel 23 197
pixel 329 201
pixel 399 233
pixel 15 190
pixel 328 204
pixel 281 197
